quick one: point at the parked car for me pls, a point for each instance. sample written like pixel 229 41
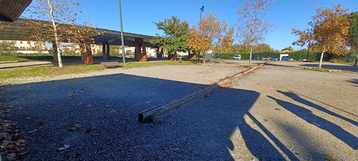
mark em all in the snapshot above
pixel 285 58
pixel 266 58
pixel 275 58
pixel 217 57
pixel 237 57
pixel 255 57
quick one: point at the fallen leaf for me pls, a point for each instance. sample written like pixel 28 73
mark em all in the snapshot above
pixel 63 148
pixel 265 119
pixel 107 105
pixel 277 109
pixel 75 127
pixel 95 134
pixel 32 131
pixel 88 130
pixel 41 123
pixel 330 158
pixel 297 153
pixel 23 153
pixel 176 149
pixel 4 145
pixel 254 122
pixel 11 156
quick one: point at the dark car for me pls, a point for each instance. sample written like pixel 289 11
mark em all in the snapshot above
pixel 255 57
pixel 285 58
pixel 217 57
pixel 275 58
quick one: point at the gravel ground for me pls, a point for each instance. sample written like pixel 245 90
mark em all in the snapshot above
pixel 106 106
pixel 278 112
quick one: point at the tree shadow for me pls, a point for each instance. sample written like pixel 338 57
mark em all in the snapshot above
pixel 218 115
pixel 321 123
pixel 354 81
pixel 335 66
pixel 106 108
pixel 313 105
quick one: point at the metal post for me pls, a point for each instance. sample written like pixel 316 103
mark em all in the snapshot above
pixel 201 11
pixel 355 64
pixel 120 14
pixel 299 59
pixel 309 44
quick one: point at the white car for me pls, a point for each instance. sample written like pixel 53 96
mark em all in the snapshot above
pixel 236 57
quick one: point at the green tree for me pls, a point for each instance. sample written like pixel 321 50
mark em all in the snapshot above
pixel 353 33
pixel 175 35
pixel 7 49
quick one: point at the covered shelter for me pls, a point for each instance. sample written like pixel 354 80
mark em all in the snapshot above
pixel 18 31
pixel 10 10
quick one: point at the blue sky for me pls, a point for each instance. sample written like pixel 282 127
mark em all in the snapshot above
pixel 138 16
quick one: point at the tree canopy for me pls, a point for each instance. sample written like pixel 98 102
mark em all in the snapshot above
pixel 329 33
pixel 175 35
pixel 353 30
pixel 210 33
pixel 253 23
pixel 54 21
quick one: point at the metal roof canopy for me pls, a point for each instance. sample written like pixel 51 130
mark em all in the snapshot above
pixel 10 10
pixel 16 31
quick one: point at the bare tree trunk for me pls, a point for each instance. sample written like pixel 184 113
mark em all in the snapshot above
pixel 250 55
pixel 204 57
pixel 252 33
pixel 55 33
pixel 321 60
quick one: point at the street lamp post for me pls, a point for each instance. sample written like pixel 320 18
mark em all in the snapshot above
pixel 201 11
pixel 120 16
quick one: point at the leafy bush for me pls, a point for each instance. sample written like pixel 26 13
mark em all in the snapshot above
pixel 7 49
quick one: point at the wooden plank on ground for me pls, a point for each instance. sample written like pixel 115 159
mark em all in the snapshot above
pixel 150 114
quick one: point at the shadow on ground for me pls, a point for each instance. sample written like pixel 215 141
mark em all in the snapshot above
pixel 335 66
pixel 354 81
pixel 313 119
pixel 106 108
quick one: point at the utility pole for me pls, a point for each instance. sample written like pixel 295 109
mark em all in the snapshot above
pixel 123 51
pixel 201 11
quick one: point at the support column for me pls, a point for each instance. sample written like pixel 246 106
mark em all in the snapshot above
pixel 139 46
pixel 108 52
pixel 103 48
pixel 105 54
pixel 159 54
pixel 192 56
pixel 86 54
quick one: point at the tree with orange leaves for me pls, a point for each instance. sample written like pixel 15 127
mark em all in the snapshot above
pixel 211 32
pixel 330 31
pixel 57 21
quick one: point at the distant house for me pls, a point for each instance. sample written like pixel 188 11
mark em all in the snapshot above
pixel 286 51
pixel 28 47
